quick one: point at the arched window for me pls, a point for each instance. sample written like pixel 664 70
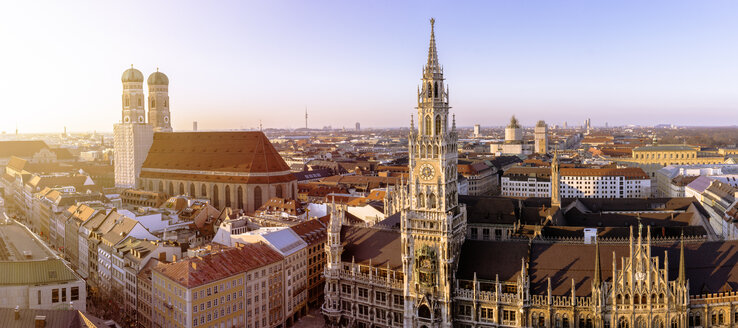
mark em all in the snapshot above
pixel 192 189
pixel 139 101
pixel 421 200
pixel 427 126
pixel 151 185
pixel 558 320
pixel 165 103
pixel 565 321
pixel 674 323
pixel 214 199
pixel 619 299
pixel 658 323
pixel 239 195
pixel 623 322
pixel 627 299
pixel 435 90
pixel 257 197
pixel 644 299
pixel 228 196
pixel 721 317
pixel 432 200
pixel 181 188
pixel 161 187
pixel 636 299
pixel 128 101
pixel 278 191
pixel 424 312
pixel 171 189
pixel 429 91
pixel 153 103
pixel 203 190
pixel 438 124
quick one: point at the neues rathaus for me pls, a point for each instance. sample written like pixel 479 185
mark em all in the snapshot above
pixel 463 261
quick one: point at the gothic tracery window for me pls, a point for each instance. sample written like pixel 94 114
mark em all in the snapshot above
pixel 438 124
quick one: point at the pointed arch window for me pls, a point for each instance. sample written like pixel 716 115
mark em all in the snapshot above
pixel 432 201
pixel 239 196
pixel 161 187
pixel 435 90
pixel 128 101
pixel 278 191
pixel 427 125
pixel 257 197
pixel 438 124
pixel 228 196
pixel 153 103
pixel 216 201
pixel 428 90
pixel 421 200
pixel 203 190
pixel 139 101
pixel 192 189
pixel 181 188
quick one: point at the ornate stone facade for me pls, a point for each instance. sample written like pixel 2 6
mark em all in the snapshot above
pixel 428 274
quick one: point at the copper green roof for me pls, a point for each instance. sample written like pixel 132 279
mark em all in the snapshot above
pixel 132 75
pixel 35 272
pixel 157 78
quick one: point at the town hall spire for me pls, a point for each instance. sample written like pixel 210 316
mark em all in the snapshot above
pixel 432 66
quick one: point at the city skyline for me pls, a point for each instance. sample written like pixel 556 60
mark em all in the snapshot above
pixel 628 63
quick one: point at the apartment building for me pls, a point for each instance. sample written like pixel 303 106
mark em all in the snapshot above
pixel 220 287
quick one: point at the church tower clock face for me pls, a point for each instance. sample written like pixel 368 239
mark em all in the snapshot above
pixel 427 172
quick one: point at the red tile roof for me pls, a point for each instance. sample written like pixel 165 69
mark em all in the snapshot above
pixel 311 231
pixel 196 271
pixel 628 172
pixel 231 152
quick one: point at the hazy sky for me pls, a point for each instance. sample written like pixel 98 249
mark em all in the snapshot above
pixel 231 64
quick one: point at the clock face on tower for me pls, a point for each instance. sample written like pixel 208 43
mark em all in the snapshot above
pixel 427 172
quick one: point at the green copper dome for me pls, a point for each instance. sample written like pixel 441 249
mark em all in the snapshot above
pixel 157 78
pixel 132 75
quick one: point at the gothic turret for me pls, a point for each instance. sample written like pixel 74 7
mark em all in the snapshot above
pixel 555 188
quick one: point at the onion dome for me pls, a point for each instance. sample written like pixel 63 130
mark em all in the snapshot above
pixel 132 75
pixel 157 78
pixel 514 123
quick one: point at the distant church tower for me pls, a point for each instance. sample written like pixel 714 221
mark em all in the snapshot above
pixel 133 136
pixel 541 138
pixel 159 102
pixel 433 224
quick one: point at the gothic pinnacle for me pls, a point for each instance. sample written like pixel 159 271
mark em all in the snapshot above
pixel 432 65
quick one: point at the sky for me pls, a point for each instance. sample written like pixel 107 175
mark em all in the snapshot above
pixel 234 64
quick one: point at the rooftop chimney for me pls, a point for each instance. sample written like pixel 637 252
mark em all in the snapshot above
pixel 40 321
